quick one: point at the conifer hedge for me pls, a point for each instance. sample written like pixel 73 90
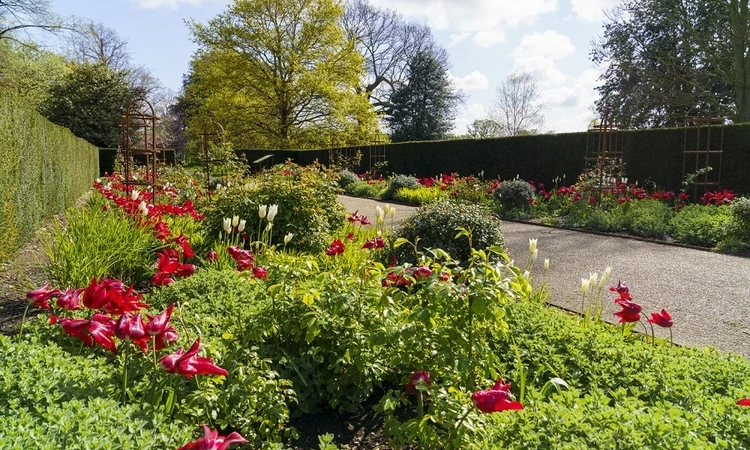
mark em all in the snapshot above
pixel 44 168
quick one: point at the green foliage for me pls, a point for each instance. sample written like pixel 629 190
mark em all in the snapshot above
pixel 435 225
pixel 52 399
pixel 366 189
pixel 221 306
pixel 29 72
pixel 347 177
pixel 424 107
pixel 306 199
pixel 649 218
pixel 701 225
pixel 399 181
pixel 43 170
pixel 98 243
pixel 514 194
pixel 89 101
pixel 599 220
pixel 740 209
pixel 420 196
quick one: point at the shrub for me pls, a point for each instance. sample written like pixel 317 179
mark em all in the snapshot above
pixel 401 181
pixel 600 220
pixel 514 194
pixel 420 195
pixel 740 209
pixel 649 218
pixel 347 177
pixel 435 225
pixel 306 199
pixel 99 243
pixel 701 225
pixel 365 189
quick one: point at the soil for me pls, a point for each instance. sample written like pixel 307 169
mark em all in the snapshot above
pixel 360 430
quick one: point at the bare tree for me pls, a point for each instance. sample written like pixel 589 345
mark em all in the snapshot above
pixel 387 43
pixel 518 106
pixel 25 15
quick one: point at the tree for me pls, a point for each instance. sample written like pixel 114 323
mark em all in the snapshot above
pixel 485 128
pixel 668 59
pixel 280 74
pixel 89 101
pixel 28 72
pixel 25 15
pixel 425 106
pixel 387 42
pixel 518 105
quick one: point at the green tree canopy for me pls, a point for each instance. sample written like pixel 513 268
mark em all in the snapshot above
pixel 28 72
pixel 280 74
pixel 424 107
pixel 89 101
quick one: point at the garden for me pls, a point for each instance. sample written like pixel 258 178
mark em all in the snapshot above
pixel 260 314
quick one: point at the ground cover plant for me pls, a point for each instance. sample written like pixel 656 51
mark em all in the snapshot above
pixel 234 330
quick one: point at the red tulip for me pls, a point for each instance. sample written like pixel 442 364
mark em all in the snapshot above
pixel 212 255
pixel 188 364
pixel 414 378
pixel 622 289
pixel 260 272
pixel 165 339
pixel 374 244
pixel 70 299
pixel 101 328
pixel 350 237
pixel 495 399
pixel 122 301
pixel 212 441
pixel 744 402
pixel 40 297
pixel 663 319
pixel 182 241
pixel 422 272
pixel 364 221
pixel 159 323
pixel 337 248
pixel 130 327
pixel 631 311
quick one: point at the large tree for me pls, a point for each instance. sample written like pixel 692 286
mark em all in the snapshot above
pixel 424 107
pixel 29 72
pixel 668 59
pixel 89 101
pixel 280 74
pixel 518 105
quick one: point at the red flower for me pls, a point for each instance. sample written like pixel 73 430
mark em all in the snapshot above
pixel 631 311
pixel 159 323
pixel 70 299
pixel 350 237
pixel 260 272
pixel 182 241
pixel 744 402
pixel 336 248
pixel 621 289
pixel 132 328
pixel 663 319
pixel 100 329
pixel 188 364
pixel 444 276
pixel 212 441
pixel 212 255
pixel 374 244
pixel 40 297
pixel 495 399
pixel 243 258
pixel 364 221
pixel 414 379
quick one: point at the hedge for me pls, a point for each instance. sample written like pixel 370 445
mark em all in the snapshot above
pixel 107 159
pixel 44 168
pixel 649 155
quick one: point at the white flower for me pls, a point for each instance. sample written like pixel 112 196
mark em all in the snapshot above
pixel 526 275
pixel 604 277
pixel 272 211
pixel 134 195
pixel 229 184
pixel 288 237
pixel 241 226
pixel 532 245
pixel 584 285
pixel 98 181
pixel 227 225
pixel 269 226
pixel 142 206
pixel 218 186
pixel 393 211
pixel 108 186
pixel 380 212
pixel 534 254
pixel 262 211
pixel 546 264
pixel 593 279
pixel 381 219
pixel 235 220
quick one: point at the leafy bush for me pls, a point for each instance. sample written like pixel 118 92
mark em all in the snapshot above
pixel 99 243
pixel 306 199
pixel 401 181
pixel 420 195
pixel 435 225
pixel 514 194
pixel 649 218
pixel 365 189
pixel 600 220
pixel 701 225
pixel 740 209
pixel 347 177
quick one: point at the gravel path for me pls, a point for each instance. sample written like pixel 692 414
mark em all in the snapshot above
pixel 707 294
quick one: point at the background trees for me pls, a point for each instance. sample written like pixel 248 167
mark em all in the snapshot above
pixel 424 107
pixel 280 74
pixel 518 105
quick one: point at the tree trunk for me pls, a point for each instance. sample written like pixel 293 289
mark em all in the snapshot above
pixel 739 21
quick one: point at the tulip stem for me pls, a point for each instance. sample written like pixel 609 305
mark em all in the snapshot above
pixel 671 341
pixel 125 373
pixel 153 351
pixel 458 425
pixel 23 319
pixel 420 406
pixel 653 335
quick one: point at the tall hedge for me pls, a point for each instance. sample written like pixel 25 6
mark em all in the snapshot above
pixel 44 168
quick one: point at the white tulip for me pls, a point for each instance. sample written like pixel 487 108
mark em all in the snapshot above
pixel 269 226
pixel 262 211
pixel 380 212
pixel 235 220
pixel 534 254
pixel 241 226
pixel 584 285
pixel 288 237
pixel 546 264
pixel 134 195
pixel 526 275
pixel 393 211
pixel 98 181
pixel 227 225
pixel 593 279
pixel 272 211
pixel 218 186
pixel 604 277
pixel 532 245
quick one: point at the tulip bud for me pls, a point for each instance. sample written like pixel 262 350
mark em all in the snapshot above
pixel 393 211
pixel 526 275
pixel 235 220
pixel 262 211
pixel 534 254
pixel 546 264
pixel 380 212
pixel 269 226
pixel 227 225
pixel 532 245
pixel 584 285
pixel 241 226
pixel 134 194
pixel 98 181
pixel 381 220
pixel 288 237
pixel 593 279
pixel 605 275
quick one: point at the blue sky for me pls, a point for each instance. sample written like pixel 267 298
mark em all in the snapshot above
pixel 486 41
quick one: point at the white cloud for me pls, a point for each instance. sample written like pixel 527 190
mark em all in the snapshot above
pixel 473 81
pixel 592 10
pixel 172 4
pixel 568 106
pixel 486 39
pixel 466 115
pixel 457 38
pixel 537 53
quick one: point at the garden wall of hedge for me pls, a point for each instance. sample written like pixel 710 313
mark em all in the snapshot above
pixel 44 168
pixel 654 155
pixel 107 159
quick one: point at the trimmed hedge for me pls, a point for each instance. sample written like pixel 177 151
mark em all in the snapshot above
pixel 107 159
pixel 44 168
pixel 653 154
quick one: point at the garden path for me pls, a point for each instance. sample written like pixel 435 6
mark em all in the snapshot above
pixel 707 294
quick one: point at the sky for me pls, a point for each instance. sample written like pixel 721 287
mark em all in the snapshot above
pixel 486 40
